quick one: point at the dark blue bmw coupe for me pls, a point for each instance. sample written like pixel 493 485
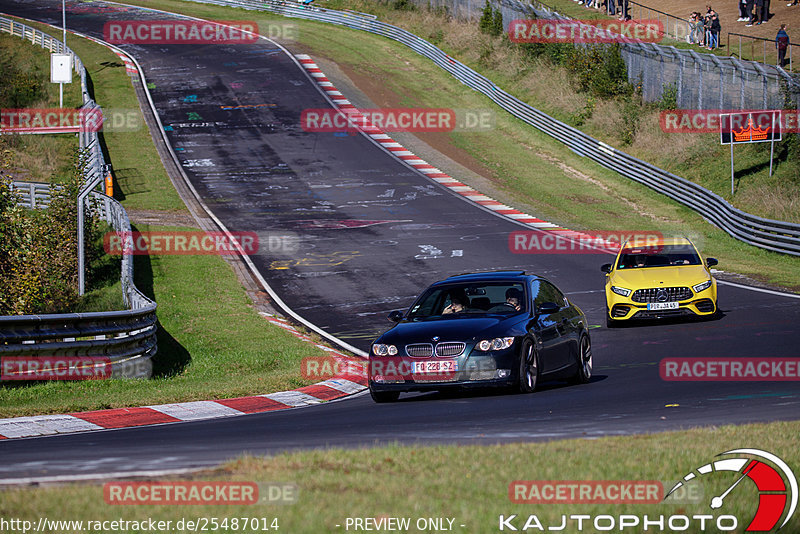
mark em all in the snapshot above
pixel 503 328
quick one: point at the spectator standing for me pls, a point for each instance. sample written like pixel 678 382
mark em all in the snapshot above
pixel 743 11
pixel 623 6
pixel 757 18
pixel 749 14
pixel 691 38
pixel 765 12
pixel 782 44
pixel 790 4
pixel 715 29
pixel 700 25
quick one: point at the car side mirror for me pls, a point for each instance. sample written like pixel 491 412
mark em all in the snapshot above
pixel 396 316
pixel 546 308
pixel 606 268
pixel 711 262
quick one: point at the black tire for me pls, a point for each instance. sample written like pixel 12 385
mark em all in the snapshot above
pixel 585 363
pixel 384 396
pixel 528 367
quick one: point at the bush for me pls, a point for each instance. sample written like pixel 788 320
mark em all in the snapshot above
pixel 580 118
pixel 403 5
pixel 556 53
pixel 600 70
pixel 38 252
pixel 669 97
pixel 19 89
pixel 497 23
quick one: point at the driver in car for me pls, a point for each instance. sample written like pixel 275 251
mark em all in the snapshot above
pixel 456 305
pixel 514 298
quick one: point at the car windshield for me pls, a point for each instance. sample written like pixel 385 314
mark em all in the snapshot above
pixel 470 299
pixel 658 256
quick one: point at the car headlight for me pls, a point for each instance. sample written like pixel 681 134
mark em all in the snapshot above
pixel 621 291
pixel 498 343
pixel 379 349
pixel 702 287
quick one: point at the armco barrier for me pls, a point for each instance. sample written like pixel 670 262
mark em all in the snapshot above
pixel 127 338
pixel 778 236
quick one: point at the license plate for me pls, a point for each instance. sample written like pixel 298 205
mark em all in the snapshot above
pixel 436 366
pixel 663 306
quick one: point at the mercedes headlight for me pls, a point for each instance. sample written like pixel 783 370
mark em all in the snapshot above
pixel 702 287
pixel 621 291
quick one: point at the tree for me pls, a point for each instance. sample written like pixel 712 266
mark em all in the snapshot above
pixel 497 23
pixel 38 248
pixel 485 24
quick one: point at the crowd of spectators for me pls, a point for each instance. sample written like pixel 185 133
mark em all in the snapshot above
pixel 611 7
pixel 704 29
pixel 754 12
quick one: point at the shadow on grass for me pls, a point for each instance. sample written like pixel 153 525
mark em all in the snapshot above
pixel 171 358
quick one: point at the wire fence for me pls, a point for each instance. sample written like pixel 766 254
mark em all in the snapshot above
pixel 761 49
pixel 703 81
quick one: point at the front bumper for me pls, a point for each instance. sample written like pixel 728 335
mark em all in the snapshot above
pixel 623 308
pixel 477 369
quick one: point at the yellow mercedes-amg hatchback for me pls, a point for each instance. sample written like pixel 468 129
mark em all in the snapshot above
pixel 659 280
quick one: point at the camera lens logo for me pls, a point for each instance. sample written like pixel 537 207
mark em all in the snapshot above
pixel 777 488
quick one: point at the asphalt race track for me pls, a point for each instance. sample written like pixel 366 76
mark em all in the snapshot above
pixel 366 234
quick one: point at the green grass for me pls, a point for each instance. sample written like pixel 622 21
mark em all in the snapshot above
pixel 527 168
pixel 199 356
pixel 37 157
pixel 136 166
pixel 466 483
